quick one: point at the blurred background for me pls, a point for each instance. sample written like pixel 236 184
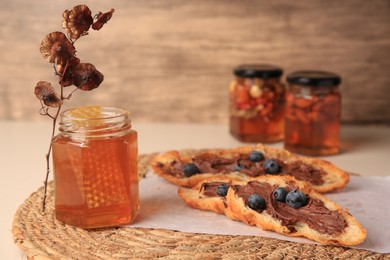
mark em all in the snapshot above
pixel 172 60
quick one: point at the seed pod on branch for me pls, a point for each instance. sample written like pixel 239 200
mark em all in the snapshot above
pixel 45 92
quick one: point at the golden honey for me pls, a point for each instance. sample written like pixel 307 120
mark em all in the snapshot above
pixel 312 118
pixel 95 168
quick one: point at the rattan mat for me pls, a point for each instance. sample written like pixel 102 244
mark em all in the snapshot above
pixel 41 236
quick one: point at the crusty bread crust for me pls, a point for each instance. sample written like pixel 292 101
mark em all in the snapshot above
pixel 334 178
pixel 234 207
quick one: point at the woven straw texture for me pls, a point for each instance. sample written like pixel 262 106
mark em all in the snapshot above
pixel 41 236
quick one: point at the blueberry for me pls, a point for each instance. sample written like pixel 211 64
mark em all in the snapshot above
pixel 280 194
pixel 238 167
pixel 256 156
pixel 296 199
pixel 222 190
pixel 190 169
pixel 256 202
pixel 271 166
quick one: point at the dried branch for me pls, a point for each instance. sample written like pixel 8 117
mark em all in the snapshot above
pixel 59 49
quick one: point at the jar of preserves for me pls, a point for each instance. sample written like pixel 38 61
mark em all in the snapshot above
pixel 257 104
pixel 313 108
pixel 95 158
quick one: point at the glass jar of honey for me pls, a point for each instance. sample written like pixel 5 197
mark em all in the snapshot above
pixel 257 104
pixel 95 158
pixel 313 108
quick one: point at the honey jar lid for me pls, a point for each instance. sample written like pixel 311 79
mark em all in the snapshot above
pixel 314 78
pixel 258 71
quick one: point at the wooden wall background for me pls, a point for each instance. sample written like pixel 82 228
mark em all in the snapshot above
pixel 172 60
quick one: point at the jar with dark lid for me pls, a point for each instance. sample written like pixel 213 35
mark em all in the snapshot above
pixel 257 103
pixel 313 108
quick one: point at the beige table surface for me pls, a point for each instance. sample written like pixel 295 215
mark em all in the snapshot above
pixel 366 151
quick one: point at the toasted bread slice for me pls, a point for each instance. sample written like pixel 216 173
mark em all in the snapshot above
pixel 236 164
pixel 319 219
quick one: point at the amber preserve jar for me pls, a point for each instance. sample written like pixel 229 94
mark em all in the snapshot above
pixel 313 108
pixel 257 104
pixel 95 168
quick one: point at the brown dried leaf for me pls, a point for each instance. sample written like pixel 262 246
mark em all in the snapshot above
pixel 45 92
pixel 87 77
pixel 67 76
pixel 56 47
pixel 77 21
pixel 101 19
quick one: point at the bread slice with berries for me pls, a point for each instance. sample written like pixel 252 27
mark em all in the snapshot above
pixel 278 203
pixel 245 162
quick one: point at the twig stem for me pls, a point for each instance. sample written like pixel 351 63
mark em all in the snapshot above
pixel 55 117
pixel 48 158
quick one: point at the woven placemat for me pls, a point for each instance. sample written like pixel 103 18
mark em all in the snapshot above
pixel 41 236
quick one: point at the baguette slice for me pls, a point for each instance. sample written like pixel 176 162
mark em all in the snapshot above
pixel 322 175
pixel 320 219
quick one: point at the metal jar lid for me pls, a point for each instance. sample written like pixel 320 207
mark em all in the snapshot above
pixel 314 78
pixel 258 71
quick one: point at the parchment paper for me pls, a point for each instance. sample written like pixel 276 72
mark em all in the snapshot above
pixel 367 198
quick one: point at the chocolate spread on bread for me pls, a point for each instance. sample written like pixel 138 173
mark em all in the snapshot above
pixel 314 214
pixel 209 189
pixel 211 163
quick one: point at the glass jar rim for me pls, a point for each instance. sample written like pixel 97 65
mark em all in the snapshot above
pixel 107 112
pixel 114 121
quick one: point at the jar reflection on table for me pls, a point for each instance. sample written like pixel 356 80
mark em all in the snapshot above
pixel 257 104
pixel 95 170
pixel 313 108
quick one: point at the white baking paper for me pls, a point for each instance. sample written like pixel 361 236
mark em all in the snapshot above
pixel 366 198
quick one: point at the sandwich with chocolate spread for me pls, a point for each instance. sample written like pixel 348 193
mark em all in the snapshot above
pixel 278 203
pixel 243 163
